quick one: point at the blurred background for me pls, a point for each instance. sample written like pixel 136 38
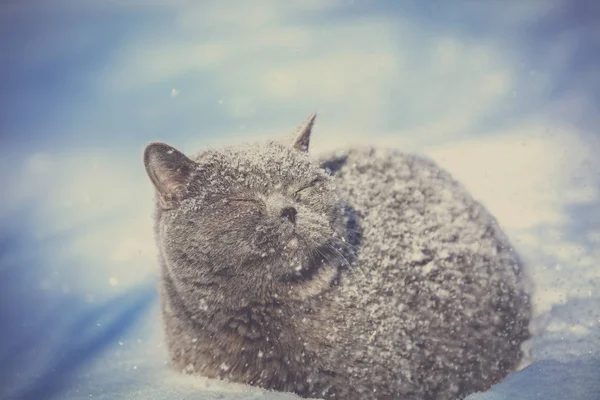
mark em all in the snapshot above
pixel 503 94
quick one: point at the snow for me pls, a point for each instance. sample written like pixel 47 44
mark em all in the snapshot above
pixel 550 380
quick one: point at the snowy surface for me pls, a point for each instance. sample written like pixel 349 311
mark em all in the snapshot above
pixel 504 97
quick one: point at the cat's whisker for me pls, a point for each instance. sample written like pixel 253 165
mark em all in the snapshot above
pixel 346 244
pixel 312 246
pixel 316 248
pixel 312 250
pixel 338 252
pixel 324 255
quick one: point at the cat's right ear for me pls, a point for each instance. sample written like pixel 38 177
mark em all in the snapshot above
pixel 302 135
pixel 170 172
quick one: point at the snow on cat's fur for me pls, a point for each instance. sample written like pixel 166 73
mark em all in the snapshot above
pixel 369 275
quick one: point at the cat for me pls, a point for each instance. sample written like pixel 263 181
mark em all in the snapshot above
pixel 366 274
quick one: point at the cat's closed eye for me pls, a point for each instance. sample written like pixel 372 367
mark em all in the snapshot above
pixel 305 190
pixel 243 200
pixel 247 204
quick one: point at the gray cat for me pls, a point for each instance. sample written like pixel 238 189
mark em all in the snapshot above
pixel 369 275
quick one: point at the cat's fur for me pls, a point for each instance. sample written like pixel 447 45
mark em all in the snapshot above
pixel 372 275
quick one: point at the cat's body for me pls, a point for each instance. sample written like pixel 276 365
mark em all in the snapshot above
pixel 386 282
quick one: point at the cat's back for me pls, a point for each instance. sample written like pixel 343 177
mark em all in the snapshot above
pixel 410 209
pixel 435 281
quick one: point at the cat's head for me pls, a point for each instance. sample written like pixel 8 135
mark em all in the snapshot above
pixel 246 218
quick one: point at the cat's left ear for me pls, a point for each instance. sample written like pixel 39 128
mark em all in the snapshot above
pixel 170 171
pixel 302 136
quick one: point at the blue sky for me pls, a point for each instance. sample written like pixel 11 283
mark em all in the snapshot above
pixel 83 75
pixel 503 94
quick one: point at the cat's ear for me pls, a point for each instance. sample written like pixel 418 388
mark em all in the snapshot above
pixel 170 171
pixel 302 135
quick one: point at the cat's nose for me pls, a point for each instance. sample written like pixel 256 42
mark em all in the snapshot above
pixel 289 213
